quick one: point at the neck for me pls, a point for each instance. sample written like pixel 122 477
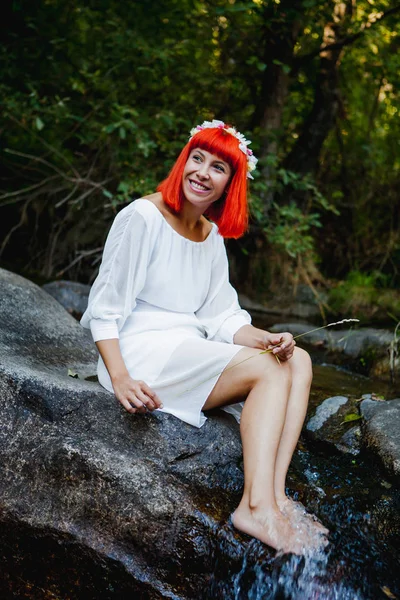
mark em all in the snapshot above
pixel 190 215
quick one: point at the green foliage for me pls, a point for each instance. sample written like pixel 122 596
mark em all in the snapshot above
pixel 290 227
pixel 292 230
pixel 98 99
pixel 357 291
pixel 363 294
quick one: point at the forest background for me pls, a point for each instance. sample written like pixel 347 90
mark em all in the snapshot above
pixel 98 99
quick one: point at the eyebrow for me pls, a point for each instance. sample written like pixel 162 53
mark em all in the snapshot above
pixel 219 160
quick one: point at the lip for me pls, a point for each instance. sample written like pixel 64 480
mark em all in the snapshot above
pixel 195 189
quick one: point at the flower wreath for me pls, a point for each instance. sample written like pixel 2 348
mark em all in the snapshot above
pixel 243 143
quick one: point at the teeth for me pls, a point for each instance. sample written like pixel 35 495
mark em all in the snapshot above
pixel 198 186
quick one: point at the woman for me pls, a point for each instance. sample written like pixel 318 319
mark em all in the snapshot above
pixel 172 336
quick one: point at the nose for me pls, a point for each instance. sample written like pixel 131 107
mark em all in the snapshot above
pixel 202 170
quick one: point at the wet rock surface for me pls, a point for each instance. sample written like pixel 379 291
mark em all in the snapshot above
pixel 349 424
pixel 324 411
pixel 334 424
pixel 381 429
pixel 127 492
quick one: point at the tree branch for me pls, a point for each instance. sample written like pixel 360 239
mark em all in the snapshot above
pixel 75 180
pixel 48 146
pixel 83 254
pixel 345 41
pixel 27 189
pixel 17 226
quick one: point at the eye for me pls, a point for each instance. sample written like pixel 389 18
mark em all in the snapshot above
pixel 196 157
pixel 220 168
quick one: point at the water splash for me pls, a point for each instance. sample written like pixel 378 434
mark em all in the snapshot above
pixel 360 563
pixel 263 576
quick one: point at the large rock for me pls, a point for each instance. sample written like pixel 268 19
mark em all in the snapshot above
pixel 301 303
pixel 72 295
pixel 352 342
pixel 96 504
pixel 137 497
pixel 381 424
pixel 365 349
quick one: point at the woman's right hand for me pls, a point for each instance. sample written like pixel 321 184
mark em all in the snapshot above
pixel 135 396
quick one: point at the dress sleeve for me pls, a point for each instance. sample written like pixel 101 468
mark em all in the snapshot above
pixel 220 314
pixel 121 277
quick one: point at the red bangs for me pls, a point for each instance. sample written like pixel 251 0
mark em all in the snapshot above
pixel 219 142
pixel 230 213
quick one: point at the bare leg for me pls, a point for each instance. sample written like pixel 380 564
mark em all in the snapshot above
pixel 258 513
pixel 266 385
pixel 301 369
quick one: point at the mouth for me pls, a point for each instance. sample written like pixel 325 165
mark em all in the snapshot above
pixel 198 187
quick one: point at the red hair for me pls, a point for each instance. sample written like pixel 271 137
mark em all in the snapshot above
pixel 230 212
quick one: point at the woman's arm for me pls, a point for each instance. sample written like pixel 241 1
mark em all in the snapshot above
pixel 135 396
pixel 281 344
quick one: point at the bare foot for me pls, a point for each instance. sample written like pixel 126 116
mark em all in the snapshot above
pixel 296 513
pixel 270 527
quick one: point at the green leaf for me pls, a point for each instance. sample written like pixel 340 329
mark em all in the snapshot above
pixel 39 123
pixel 123 187
pixel 351 417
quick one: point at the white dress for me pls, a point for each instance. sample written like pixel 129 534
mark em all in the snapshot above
pixel 169 301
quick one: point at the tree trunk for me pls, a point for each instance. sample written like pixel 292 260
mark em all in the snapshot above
pixel 305 154
pixel 278 55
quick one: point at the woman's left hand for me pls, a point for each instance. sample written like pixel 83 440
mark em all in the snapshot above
pixel 281 344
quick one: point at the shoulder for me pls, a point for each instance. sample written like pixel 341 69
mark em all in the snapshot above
pixel 219 240
pixel 140 213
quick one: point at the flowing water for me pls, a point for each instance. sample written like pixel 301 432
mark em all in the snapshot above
pixel 352 496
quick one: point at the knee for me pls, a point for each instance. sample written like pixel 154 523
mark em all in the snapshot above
pixel 301 366
pixel 270 371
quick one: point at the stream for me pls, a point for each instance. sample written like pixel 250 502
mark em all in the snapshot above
pixel 351 495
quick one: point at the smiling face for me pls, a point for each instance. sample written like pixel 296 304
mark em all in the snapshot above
pixel 205 177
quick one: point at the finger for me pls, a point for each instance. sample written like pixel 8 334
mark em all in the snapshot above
pixel 284 350
pixel 128 406
pixel 145 395
pixel 146 400
pixel 287 348
pixel 285 355
pixel 278 349
pixel 137 403
pixel 272 339
pixel 288 343
pixel 152 395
